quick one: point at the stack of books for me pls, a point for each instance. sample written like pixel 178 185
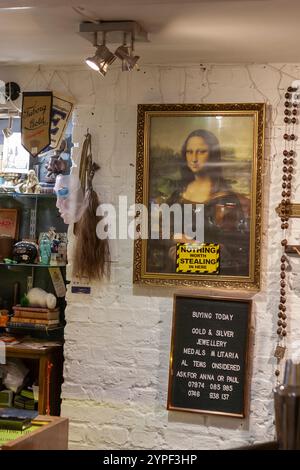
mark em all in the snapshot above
pixel 18 420
pixel 14 423
pixel 6 398
pixel 33 317
pixel 25 400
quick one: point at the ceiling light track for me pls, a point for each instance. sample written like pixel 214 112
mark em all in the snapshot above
pixel 114 32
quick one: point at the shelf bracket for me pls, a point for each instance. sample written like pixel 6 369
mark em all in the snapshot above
pixel 32 228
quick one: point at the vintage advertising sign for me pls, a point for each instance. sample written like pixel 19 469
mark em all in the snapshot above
pixel 36 119
pixel 61 112
pixel 9 222
pixel 197 258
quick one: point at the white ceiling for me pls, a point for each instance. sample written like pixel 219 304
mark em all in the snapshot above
pixel 179 31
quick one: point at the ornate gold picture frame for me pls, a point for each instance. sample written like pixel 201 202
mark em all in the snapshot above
pixel 208 156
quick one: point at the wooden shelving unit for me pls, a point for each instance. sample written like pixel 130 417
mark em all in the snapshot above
pixel 50 359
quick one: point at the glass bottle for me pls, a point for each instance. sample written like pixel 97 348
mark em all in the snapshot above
pixel 45 249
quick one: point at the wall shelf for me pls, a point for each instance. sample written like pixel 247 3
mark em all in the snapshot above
pixel 33 265
pixel 37 214
pixel 27 196
pixel 48 372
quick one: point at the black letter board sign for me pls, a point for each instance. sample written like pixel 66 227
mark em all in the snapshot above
pixel 209 355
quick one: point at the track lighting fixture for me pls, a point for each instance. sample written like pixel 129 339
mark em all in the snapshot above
pixel 116 30
pixel 129 61
pixel 102 59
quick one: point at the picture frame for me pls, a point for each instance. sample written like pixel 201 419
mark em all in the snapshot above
pixel 9 223
pixel 15 157
pixel 211 343
pixel 225 181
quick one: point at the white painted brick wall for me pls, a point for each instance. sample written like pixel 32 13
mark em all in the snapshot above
pixel 118 339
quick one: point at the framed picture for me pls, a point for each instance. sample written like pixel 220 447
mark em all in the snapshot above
pixel 15 157
pixel 9 222
pixel 199 182
pixel 209 362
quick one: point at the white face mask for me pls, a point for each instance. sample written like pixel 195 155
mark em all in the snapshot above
pixel 69 198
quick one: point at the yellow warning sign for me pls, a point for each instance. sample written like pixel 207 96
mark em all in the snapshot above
pixel 198 258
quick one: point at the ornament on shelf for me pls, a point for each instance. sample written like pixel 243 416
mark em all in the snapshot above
pixel 25 251
pixel 45 249
pixel 40 298
pixel 30 185
pixel 57 164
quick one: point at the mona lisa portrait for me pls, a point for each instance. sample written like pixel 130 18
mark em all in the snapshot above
pixel 206 156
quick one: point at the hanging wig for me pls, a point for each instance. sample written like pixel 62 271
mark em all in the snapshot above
pixel 91 254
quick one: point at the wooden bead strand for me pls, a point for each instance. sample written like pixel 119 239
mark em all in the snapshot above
pixel 289 138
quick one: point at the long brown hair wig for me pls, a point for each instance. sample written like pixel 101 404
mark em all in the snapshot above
pixel 91 254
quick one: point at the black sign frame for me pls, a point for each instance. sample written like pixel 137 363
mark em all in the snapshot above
pixel 244 361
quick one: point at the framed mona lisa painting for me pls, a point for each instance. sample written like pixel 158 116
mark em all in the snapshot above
pixel 199 195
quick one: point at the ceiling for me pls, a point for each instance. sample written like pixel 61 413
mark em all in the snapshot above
pixel 191 31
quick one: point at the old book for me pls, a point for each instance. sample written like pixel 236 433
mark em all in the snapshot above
pixel 34 321
pixel 32 312
pixel 18 424
pixel 45 316
pixel 35 326
pixel 14 413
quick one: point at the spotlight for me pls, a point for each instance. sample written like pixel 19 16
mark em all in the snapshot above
pixel 128 61
pixel 102 59
pixel 114 31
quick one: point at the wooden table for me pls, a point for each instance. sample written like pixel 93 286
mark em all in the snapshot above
pixel 52 435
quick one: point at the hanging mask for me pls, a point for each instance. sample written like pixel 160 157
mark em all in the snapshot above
pixel 69 198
